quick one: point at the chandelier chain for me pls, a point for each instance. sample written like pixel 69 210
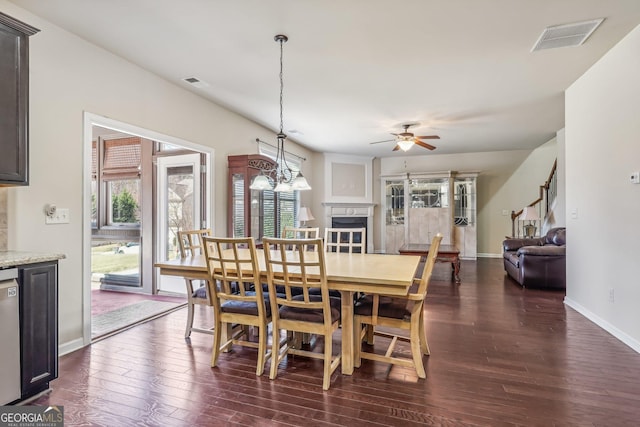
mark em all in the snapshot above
pixel 281 87
pixel 282 173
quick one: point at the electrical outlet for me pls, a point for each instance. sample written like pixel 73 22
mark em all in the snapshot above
pixel 505 212
pixel 612 295
pixel 60 216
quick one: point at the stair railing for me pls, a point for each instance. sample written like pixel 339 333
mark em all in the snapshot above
pixel 548 193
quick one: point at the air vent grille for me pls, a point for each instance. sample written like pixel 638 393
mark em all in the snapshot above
pixel 566 35
pixel 194 81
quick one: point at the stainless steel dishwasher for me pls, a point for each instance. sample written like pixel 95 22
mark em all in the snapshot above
pixel 9 337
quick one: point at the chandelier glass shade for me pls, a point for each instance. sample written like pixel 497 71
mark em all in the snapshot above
pixel 282 174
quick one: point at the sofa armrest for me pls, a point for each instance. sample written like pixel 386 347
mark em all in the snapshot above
pixel 547 250
pixel 515 244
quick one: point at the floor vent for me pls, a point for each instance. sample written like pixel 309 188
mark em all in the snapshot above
pixel 566 35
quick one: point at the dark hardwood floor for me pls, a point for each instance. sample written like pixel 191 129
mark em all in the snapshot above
pixel 501 356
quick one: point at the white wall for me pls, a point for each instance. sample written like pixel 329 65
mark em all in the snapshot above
pixel 508 180
pixel 523 186
pixel 559 207
pixel 70 76
pixel 602 149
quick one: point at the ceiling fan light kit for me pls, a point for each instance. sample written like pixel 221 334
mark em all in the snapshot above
pixel 405 140
pixel 405 144
pixel 284 179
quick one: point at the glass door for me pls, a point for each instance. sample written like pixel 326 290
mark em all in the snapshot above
pixel 179 199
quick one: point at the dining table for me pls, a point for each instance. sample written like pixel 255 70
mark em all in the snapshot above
pixel 385 274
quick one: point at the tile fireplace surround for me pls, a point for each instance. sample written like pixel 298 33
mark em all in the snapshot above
pixel 352 210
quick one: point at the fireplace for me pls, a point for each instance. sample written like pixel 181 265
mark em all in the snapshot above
pixel 352 222
pixel 352 215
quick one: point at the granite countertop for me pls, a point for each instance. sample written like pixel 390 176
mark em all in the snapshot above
pixel 14 258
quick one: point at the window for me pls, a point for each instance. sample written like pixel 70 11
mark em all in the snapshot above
pixel 123 201
pixel 115 186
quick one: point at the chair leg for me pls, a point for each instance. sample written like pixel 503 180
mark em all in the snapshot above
pixel 357 342
pixel 328 344
pixel 424 344
pixel 262 349
pixel 275 350
pixel 227 333
pixel 190 309
pixel 370 330
pixel 215 352
pixel 416 352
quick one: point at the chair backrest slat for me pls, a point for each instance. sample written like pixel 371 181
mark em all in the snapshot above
pixel 300 233
pixel 232 264
pixel 348 240
pixel 190 242
pixel 425 278
pixel 297 263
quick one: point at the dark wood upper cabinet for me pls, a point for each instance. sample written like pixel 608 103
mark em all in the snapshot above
pixel 14 100
pixel 247 207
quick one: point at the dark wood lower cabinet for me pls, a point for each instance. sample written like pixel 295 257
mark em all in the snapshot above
pixel 38 326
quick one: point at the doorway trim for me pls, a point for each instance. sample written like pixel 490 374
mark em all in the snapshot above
pixel 90 120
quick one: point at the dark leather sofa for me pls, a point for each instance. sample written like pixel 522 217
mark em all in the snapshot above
pixel 538 262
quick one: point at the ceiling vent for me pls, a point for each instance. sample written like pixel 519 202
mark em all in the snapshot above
pixel 566 35
pixel 194 81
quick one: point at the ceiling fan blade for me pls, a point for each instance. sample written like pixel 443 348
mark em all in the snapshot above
pixel 380 142
pixel 396 148
pixel 428 137
pixel 424 145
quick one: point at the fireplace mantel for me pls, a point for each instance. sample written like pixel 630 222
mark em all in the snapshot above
pixel 348 209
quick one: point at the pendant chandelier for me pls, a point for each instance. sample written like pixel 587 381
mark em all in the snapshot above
pixel 282 173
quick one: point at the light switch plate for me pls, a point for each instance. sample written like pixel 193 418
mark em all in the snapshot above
pixel 61 216
pixel 635 178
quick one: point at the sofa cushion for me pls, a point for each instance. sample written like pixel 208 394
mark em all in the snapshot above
pixel 556 236
pixel 546 250
pixel 560 237
pixel 512 257
pixel 513 244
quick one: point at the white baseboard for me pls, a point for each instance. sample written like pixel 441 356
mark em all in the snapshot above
pixel 70 346
pixel 628 340
pixel 486 255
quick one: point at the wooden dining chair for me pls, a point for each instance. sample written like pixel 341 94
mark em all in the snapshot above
pixel 190 244
pixel 345 240
pixel 305 313
pixel 289 232
pixel 406 313
pixel 234 283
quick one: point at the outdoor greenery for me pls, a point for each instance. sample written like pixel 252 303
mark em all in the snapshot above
pixel 124 207
pixel 104 259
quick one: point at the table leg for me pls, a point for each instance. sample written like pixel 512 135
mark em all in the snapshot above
pixel 347 331
pixel 456 269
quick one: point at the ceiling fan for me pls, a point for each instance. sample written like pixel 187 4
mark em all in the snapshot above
pixel 405 140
